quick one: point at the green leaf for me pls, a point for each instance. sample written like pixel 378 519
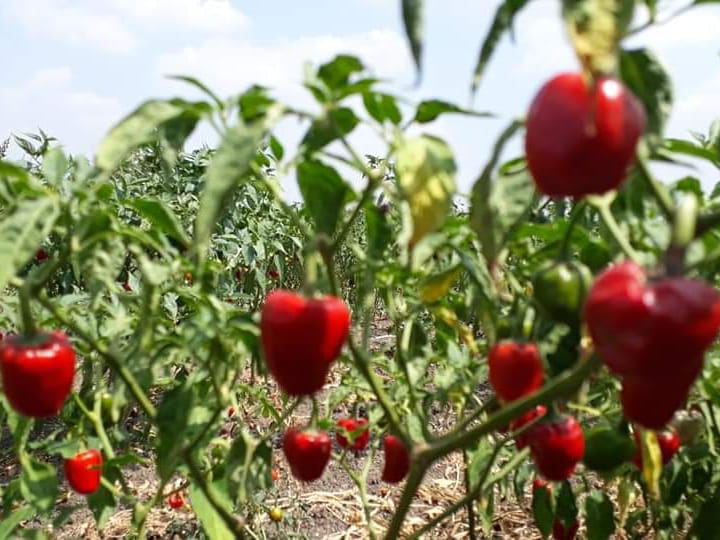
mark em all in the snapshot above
pixel 160 216
pixel 22 232
pixel 543 513
pixel 255 103
pixel 566 510
pixel 172 421
pixel 142 126
pixel 102 503
pixel 324 193
pixel 54 165
pixel 599 516
pixel 248 466
pixel 689 148
pixel 412 14
pixel 382 107
pixel 502 22
pixel 429 110
pixel 499 205
pixel 336 73
pixel 707 525
pixel 336 123
pixel 425 171
pixel 379 231
pixel 212 523
pixel 229 167
pixel 9 523
pixel 192 81
pixel 38 483
pixel 643 73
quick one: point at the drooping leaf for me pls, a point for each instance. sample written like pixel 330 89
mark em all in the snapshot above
pixel 54 166
pixel 22 232
pixel 643 73
pixel 229 166
pixel 595 28
pixel 429 110
pixel 501 23
pixel 498 204
pixel 161 216
pixel 599 515
pixel 212 523
pixel 142 127
pixel 336 123
pixel 38 483
pixel 436 286
pixel 336 73
pixel 324 193
pixel 543 513
pixel 172 420
pixel 412 14
pixel 425 171
pixel 707 525
pixel 382 107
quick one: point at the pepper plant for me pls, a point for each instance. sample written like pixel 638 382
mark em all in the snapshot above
pixel 566 322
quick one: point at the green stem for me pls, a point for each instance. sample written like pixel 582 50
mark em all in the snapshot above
pixel 417 473
pixel 28 323
pixel 364 198
pixel 577 212
pixel 662 197
pixel 230 520
pixel 612 225
pixel 561 385
pixel 469 506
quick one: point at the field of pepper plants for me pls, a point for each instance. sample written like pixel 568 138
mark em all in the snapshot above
pixel 186 354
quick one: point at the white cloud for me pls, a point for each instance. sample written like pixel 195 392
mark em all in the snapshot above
pixel 76 117
pixel 694 28
pixel 543 45
pixel 73 23
pixel 230 66
pixel 200 15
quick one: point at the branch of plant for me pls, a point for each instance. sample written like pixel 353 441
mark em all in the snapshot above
pixel 115 363
pixel 364 198
pixel 575 215
pixel 417 472
pixel 363 366
pixel 603 208
pixel 230 520
pixel 662 197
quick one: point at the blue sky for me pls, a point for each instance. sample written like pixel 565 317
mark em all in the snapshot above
pixel 74 67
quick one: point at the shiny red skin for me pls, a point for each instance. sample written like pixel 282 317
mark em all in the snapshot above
pixel 516 369
pixel 397 460
pixel 37 374
pixel 652 403
pixel 301 338
pixel 353 425
pixel 84 471
pixel 559 531
pixel 556 447
pixel 307 452
pixel 521 441
pixel 581 140
pixel 657 330
pixel 669 443
pixel 176 501
pixel 273 274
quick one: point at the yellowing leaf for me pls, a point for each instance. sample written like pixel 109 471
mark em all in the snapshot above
pixel 596 28
pixel 652 461
pixel 425 170
pixel 435 287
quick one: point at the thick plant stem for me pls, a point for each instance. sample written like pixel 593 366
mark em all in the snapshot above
pixel 617 234
pixel 231 521
pixel 122 371
pixel 417 473
pixel 469 508
pixel 663 198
